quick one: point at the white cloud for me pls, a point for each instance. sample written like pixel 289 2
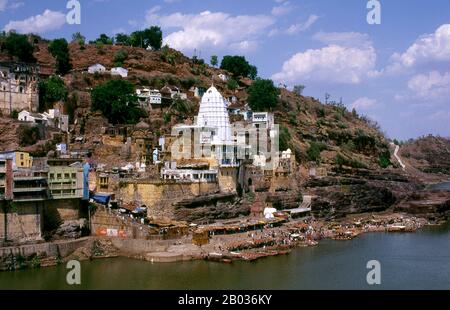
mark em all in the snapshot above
pixel 431 86
pixel 8 5
pixel 333 63
pixel 215 30
pixel 245 46
pixel 282 9
pixel 352 39
pixel 428 48
pixel 296 28
pixel 364 103
pixel 49 20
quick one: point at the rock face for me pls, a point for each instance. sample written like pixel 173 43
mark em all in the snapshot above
pixel 338 196
pixel 433 204
pixel 428 154
pixel 207 209
pixel 337 201
pixel 71 229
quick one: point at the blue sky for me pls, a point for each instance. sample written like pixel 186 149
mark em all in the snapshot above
pixel 397 73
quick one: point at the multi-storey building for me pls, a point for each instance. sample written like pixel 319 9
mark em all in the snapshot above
pixel 65 178
pixel 19 159
pixel 18 87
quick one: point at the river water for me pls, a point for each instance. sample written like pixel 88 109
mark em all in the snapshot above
pixel 418 260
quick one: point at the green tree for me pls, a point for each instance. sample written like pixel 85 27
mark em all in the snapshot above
pixel 298 89
pixel 238 66
pixel 28 135
pixel 182 106
pixel 59 48
pixel 262 95
pixel 51 90
pixel 214 61
pixel 77 37
pixel 232 84
pixel 71 106
pixel 17 45
pixel 104 39
pixel 117 101
pixel 253 73
pixel 285 139
pixel 167 55
pixel 314 150
pixel 124 39
pixel 384 160
pixel 150 37
pixel 120 57
pixel 153 37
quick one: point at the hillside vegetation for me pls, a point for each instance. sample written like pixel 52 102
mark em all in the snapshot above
pixel 324 134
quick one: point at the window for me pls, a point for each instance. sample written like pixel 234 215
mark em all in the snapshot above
pixel 21 156
pixel 66 175
pixel 59 176
pixel 52 176
pixel 74 175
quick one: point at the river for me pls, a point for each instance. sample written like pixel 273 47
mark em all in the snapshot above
pixel 419 260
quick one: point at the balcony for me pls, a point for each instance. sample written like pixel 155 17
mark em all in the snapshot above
pixel 229 163
pixel 62 185
pixel 29 189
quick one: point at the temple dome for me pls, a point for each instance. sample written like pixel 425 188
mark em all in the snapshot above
pixel 213 113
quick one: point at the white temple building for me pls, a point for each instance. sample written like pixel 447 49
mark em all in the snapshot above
pixel 208 138
pixel 213 113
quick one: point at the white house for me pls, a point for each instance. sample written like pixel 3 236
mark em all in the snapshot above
pixel 97 68
pixel 265 118
pixel 52 118
pixel 223 77
pixel 155 97
pixel 119 71
pixel 26 116
pixel 149 96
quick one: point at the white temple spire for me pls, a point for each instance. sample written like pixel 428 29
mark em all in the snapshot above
pixel 213 113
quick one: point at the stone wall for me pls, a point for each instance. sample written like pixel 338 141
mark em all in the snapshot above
pixel 106 223
pixel 228 179
pixel 136 246
pixel 208 209
pixel 159 197
pixel 114 141
pixel 27 100
pixel 55 249
pixel 66 209
pixel 22 223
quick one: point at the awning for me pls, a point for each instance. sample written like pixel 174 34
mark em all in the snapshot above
pixel 102 198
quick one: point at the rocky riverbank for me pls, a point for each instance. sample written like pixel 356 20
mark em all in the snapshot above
pixel 252 245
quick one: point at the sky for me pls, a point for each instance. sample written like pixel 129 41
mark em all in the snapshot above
pixel 396 72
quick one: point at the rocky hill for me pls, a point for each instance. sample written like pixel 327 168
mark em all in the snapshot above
pixel 326 134
pixel 428 154
pixel 357 159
